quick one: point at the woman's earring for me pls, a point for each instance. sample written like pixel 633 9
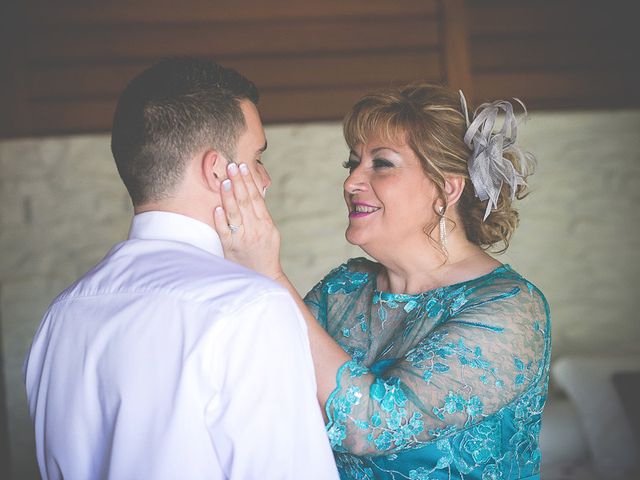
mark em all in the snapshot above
pixel 443 229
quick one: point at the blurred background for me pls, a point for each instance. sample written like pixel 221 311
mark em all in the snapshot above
pixel 574 63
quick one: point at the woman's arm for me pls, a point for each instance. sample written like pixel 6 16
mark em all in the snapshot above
pixel 256 245
pixel 459 374
pixel 327 355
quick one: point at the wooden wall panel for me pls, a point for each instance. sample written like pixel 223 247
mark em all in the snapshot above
pixel 293 71
pixel 75 12
pixel 545 17
pixel 71 115
pixel 531 53
pixel 546 90
pixel 324 85
pixel 310 59
pixel 126 42
pixel 456 46
pixel 325 104
pixel 555 54
pixel 64 63
pixel 14 109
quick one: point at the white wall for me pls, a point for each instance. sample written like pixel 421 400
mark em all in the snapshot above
pixel 62 206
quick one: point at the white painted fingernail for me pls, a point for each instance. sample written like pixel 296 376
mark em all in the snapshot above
pixel 226 185
pixel 233 169
pixel 244 170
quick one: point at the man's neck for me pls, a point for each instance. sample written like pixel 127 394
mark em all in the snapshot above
pixel 204 215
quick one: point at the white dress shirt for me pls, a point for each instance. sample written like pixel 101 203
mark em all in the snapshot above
pixel 166 361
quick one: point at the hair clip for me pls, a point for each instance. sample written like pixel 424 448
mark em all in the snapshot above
pixel 488 167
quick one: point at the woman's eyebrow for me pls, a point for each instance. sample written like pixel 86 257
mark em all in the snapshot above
pixel 377 149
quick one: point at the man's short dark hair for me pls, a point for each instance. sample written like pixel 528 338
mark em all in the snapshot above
pixel 174 109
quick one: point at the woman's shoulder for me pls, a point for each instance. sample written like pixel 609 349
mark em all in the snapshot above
pixel 349 276
pixel 506 277
pixel 506 285
pixel 363 265
pixel 358 265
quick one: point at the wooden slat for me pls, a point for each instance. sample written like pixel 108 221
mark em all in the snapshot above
pixel 456 46
pixel 287 106
pixel 81 81
pixel 126 42
pixel 552 51
pixel 45 12
pixel 14 112
pixel 600 101
pixel 283 106
pixel 309 71
pixel 276 106
pixel 509 18
pixel 559 88
pixel 81 116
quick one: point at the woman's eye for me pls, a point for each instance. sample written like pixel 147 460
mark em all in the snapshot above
pixel 350 165
pixel 381 163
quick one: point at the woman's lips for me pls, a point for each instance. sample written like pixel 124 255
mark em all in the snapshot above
pixel 360 210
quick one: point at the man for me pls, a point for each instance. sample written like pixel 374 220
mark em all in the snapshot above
pixel 166 361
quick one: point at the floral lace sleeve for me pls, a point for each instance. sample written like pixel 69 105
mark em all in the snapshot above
pixel 481 356
pixel 316 302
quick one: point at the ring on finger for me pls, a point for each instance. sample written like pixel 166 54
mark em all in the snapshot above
pixel 234 228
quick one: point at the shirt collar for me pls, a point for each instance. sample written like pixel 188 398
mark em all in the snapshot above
pixel 169 226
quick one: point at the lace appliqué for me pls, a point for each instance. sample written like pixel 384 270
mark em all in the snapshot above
pixel 450 383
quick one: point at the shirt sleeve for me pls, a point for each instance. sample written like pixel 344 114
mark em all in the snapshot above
pixel 266 422
pixel 461 372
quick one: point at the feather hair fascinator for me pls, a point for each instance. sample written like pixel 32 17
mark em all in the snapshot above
pixel 488 167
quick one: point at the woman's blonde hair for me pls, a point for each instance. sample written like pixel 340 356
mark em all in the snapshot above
pixel 430 120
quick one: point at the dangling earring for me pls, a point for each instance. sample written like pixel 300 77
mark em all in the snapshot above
pixel 443 229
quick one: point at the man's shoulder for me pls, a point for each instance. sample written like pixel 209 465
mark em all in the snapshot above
pixel 170 269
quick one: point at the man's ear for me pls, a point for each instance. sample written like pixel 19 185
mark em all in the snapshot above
pixel 213 169
pixel 453 188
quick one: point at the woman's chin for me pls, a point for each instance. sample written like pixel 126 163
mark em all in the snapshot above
pixel 357 237
pixel 352 237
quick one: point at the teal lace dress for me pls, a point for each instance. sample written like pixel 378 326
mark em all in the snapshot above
pixel 445 384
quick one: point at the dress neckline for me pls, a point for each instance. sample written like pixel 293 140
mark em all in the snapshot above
pixel 407 297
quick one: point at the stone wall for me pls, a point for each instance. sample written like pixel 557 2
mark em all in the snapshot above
pixel 62 206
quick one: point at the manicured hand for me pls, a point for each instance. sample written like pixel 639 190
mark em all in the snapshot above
pixel 249 236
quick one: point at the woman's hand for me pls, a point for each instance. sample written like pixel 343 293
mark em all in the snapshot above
pixel 249 236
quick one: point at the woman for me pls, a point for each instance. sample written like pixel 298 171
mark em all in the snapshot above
pixel 432 361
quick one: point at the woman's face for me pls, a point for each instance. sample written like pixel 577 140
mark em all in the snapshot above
pixel 389 197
